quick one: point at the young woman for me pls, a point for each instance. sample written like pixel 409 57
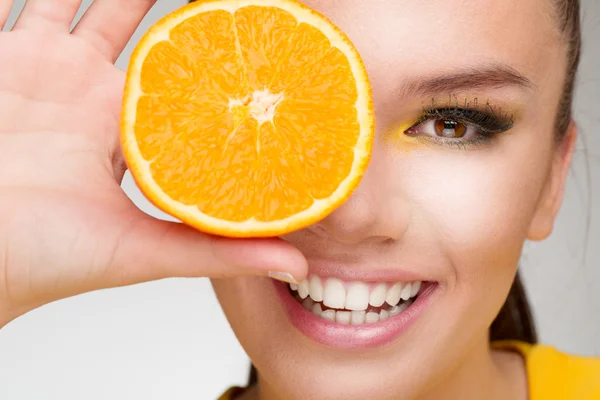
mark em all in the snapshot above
pixel 474 140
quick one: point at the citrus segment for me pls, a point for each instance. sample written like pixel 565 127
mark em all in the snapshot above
pixel 331 84
pixel 180 168
pixel 285 189
pixel 167 79
pixel 233 171
pixel 152 126
pixel 247 118
pixel 308 48
pixel 208 40
pixel 327 141
pixel 264 35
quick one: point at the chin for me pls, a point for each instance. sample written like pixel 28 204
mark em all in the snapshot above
pixel 333 337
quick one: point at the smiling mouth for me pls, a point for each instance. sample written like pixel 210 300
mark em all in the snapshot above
pixel 354 314
pixel 354 303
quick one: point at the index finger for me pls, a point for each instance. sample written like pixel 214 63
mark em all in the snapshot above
pixel 150 249
pixel 109 24
pixel 5 7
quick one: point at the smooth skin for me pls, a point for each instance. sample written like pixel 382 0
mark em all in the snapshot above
pixel 459 217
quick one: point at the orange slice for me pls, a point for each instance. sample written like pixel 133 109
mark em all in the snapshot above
pixel 247 118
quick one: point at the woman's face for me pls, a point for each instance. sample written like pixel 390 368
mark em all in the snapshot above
pixel 452 213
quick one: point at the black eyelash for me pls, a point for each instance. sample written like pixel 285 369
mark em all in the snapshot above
pixel 489 122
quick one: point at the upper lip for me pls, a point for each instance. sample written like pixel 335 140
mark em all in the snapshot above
pixel 364 272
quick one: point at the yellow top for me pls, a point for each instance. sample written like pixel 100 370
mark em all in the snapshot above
pixel 552 375
pixel 231 393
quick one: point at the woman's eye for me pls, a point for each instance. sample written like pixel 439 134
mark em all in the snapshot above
pixel 444 128
pixel 450 129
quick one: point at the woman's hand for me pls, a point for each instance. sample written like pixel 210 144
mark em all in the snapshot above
pixel 66 227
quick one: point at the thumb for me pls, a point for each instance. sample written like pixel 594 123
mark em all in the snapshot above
pixel 156 249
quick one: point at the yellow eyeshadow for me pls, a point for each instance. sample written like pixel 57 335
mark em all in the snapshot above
pixel 396 138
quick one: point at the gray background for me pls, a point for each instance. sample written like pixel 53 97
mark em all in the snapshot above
pixel 170 340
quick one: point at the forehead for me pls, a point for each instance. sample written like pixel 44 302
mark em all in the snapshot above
pixel 431 36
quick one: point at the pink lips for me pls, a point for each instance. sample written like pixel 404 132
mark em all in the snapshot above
pixel 342 336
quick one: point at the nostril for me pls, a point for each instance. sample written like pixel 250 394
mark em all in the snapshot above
pixel 348 237
pixel 363 220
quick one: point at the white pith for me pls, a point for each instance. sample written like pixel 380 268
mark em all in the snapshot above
pixel 260 106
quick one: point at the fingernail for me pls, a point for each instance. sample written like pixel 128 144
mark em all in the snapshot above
pixel 282 276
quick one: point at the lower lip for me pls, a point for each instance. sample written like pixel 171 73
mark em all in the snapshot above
pixel 342 336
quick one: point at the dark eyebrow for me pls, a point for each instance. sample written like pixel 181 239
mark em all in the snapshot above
pixel 494 77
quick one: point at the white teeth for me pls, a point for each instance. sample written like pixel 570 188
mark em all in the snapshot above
pixel 416 286
pixel 353 299
pixel 328 315
pixel 398 309
pixel 377 297
pixel 371 317
pixel 394 311
pixel 343 317
pixel 405 294
pixel 357 317
pixel 308 303
pixel 303 289
pixel 357 298
pixel 393 294
pixel 315 288
pixel 316 309
pixel 403 306
pixel 334 295
pixel 383 315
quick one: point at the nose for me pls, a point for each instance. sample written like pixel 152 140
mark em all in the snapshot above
pixel 376 211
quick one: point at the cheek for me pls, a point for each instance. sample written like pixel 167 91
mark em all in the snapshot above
pixel 252 309
pixel 476 206
pixel 237 296
pixel 234 295
pixel 475 201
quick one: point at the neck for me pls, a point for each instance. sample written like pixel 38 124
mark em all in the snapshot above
pixel 482 374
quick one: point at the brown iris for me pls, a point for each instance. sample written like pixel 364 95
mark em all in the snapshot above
pixel 450 129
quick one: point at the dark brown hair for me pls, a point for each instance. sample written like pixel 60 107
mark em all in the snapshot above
pixel 515 320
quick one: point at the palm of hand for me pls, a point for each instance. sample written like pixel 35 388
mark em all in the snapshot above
pixel 64 216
